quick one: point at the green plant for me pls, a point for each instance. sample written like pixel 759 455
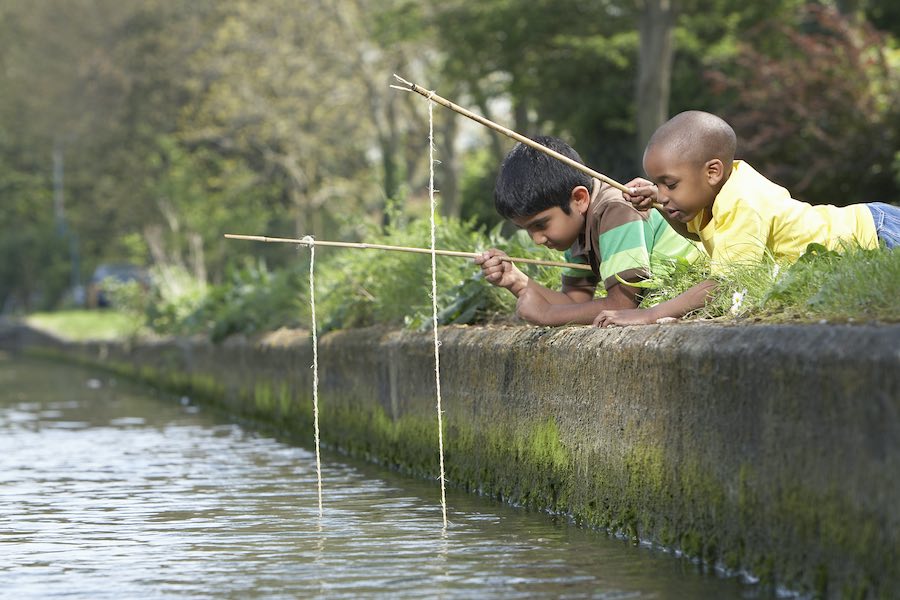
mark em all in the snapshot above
pixel 854 284
pixel 475 300
pixel 359 288
pixel 253 299
pixel 356 288
pixel 364 288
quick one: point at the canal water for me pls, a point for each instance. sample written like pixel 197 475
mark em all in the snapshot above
pixel 112 490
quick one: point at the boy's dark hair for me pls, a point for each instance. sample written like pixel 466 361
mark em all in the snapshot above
pixel 531 181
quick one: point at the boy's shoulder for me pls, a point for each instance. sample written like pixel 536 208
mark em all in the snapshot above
pixel 608 204
pixel 746 184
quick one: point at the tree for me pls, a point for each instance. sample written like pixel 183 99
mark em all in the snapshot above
pixel 655 27
pixel 819 116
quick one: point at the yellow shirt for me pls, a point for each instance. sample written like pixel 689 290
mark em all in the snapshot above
pixel 752 216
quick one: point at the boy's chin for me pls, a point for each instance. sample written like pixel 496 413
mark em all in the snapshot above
pixel 682 216
pixel 562 246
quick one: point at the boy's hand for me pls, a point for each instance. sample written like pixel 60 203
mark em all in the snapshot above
pixel 532 307
pixel 642 193
pixel 625 316
pixel 501 273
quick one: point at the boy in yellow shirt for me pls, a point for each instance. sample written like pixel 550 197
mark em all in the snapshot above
pixel 737 214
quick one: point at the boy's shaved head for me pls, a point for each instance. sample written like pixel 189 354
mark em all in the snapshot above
pixel 695 136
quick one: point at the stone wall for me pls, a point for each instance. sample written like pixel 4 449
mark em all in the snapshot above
pixel 774 449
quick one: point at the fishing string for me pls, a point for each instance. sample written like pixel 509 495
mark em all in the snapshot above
pixel 315 366
pixel 309 241
pixel 434 320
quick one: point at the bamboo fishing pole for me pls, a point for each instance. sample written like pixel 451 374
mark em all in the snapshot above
pixel 409 86
pixel 308 241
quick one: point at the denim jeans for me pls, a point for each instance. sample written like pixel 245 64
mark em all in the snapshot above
pixel 887 222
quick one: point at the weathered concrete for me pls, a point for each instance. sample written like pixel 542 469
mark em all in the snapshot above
pixel 774 449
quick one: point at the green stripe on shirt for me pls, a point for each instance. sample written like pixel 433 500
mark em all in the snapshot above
pixel 667 243
pixel 624 248
pixel 626 260
pixel 578 273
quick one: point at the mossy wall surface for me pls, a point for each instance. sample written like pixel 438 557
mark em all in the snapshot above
pixel 774 449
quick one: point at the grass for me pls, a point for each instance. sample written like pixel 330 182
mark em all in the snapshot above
pixel 359 288
pixel 855 285
pixel 79 325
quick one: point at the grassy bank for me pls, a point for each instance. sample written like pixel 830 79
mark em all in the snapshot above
pixel 855 285
pixel 359 288
pixel 81 325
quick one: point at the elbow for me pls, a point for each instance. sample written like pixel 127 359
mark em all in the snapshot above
pixel 543 319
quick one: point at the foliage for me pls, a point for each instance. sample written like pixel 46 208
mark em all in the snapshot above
pixel 530 52
pixel 35 270
pixel 357 288
pixel 361 287
pixel 199 195
pixel 672 278
pixel 473 300
pixel 250 300
pixel 175 297
pixel 820 116
pixel 855 284
pixel 179 121
pixel 477 188
pixel 354 287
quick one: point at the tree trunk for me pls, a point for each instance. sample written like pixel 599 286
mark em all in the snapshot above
pixel 656 22
pixel 389 145
pixel 520 117
pixel 300 206
pixel 496 139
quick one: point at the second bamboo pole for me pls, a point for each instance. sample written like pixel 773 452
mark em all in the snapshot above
pixel 365 246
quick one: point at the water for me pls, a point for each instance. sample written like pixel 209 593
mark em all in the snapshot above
pixel 110 490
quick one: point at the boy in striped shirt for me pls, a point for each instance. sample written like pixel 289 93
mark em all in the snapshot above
pixel 564 209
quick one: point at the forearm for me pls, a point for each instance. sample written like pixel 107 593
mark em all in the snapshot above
pixel 690 300
pixel 576 313
pixel 581 310
pixel 553 296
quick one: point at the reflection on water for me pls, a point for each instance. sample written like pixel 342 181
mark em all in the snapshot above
pixel 110 491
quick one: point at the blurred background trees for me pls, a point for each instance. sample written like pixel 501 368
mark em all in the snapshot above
pixel 174 122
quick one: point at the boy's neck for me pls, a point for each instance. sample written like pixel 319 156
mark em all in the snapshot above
pixel 596 184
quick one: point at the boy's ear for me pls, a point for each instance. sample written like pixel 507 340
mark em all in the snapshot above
pixel 580 199
pixel 715 171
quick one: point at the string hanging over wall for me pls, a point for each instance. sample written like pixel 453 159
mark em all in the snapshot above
pixel 434 319
pixel 315 366
pixel 310 242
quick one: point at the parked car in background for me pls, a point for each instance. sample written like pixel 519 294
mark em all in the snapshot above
pixel 98 296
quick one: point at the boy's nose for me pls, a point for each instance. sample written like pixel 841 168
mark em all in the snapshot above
pixel 538 238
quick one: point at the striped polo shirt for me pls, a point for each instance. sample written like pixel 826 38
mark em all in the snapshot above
pixel 620 240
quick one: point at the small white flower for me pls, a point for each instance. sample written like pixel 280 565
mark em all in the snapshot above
pixel 737 299
pixel 775 272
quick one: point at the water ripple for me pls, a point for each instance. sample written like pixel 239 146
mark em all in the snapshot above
pixel 109 492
